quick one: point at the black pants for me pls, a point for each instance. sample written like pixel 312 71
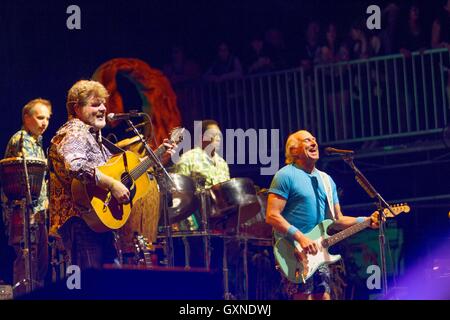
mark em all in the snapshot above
pixel 86 248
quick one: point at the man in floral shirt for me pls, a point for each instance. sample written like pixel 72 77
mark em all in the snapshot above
pixel 28 142
pixel 75 152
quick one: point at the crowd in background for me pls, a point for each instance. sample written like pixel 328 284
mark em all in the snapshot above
pixel 403 31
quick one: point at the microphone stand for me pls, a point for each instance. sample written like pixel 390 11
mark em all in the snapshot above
pixel 165 182
pixel 381 205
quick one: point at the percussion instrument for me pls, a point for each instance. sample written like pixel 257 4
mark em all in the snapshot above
pixel 232 194
pixel 12 176
pixel 184 199
pixel 257 226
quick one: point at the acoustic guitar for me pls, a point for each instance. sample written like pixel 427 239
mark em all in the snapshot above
pixel 103 211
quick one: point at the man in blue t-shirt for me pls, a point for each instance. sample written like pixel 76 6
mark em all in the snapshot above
pixel 298 201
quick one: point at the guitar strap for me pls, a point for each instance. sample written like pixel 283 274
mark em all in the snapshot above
pixel 327 184
pixel 112 147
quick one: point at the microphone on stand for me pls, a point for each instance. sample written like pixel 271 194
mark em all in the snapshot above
pixel 124 116
pixel 331 151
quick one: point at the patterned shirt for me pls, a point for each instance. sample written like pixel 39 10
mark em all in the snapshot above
pixel 196 161
pixel 32 148
pixel 75 151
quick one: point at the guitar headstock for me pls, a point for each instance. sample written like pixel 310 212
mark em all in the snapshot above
pixel 141 243
pixel 176 135
pixel 396 208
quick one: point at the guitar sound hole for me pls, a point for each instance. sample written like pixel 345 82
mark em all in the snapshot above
pixel 127 180
pixel 129 183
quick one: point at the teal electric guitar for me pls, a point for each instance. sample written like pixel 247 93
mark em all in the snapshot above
pixel 299 271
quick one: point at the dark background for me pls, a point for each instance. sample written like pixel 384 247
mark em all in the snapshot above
pixel 40 57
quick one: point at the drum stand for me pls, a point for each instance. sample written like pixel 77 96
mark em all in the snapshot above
pixel 26 208
pixel 226 294
pixel 166 183
pixel 239 238
pixel 244 252
pixel 205 208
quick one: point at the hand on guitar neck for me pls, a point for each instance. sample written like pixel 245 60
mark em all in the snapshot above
pixel 346 221
pixel 168 148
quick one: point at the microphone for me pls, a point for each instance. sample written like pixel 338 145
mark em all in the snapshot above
pixel 331 151
pixel 124 116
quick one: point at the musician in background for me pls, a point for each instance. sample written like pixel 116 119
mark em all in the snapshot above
pixel 205 161
pixel 204 164
pixel 297 202
pixel 28 141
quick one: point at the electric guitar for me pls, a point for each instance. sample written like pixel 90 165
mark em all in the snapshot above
pixel 299 271
pixel 103 211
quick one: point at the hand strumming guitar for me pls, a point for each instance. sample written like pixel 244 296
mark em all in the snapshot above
pixel 120 192
pixel 308 246
pixel 117 188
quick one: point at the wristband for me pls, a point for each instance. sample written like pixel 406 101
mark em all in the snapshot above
pixel 360 219
pixel 291 232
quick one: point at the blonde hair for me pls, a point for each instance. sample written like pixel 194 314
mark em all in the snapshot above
pixel 293 141
pixel 28 108
pixel 80 93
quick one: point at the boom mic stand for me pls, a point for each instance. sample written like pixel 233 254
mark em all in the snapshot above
pixel 166 183
pixel 381 205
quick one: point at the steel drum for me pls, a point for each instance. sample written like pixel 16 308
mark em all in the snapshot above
pixel 12 175
pixel 184 200
pixel 257 226
pixel 232 194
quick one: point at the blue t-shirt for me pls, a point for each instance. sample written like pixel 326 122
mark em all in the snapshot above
pixel 306 204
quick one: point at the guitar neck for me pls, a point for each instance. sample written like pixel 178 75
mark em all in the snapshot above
pixel 147 163
pixel 160 151
pixel 141 168
pixel 345 233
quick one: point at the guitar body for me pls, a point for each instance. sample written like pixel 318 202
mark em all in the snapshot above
pixel 106 213
pixel 296 271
